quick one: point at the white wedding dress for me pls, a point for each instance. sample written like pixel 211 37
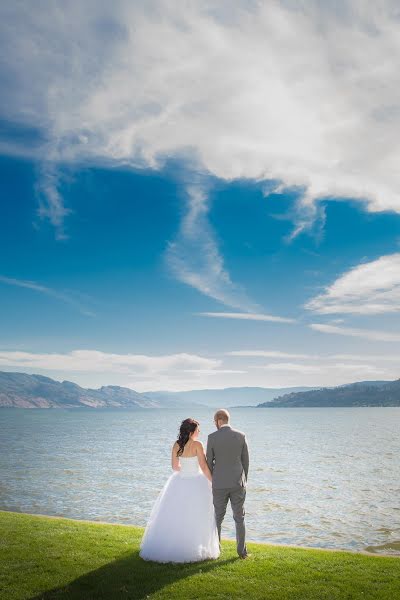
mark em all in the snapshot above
pixel 182 527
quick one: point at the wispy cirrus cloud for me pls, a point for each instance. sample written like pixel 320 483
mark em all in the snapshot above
pixel 51 204
pixel 68 298
pixel 367 289
pixel 202 372
pixel 247 316
pixel 367 334
pixel 267 354
pixel 320 357
pixel 355 371
pixel 193 257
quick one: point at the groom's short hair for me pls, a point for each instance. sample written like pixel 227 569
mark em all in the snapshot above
pixel 222 415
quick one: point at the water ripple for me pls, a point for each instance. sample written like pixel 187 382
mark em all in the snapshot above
pixel 318 477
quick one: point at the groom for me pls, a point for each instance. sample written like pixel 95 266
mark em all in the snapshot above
pixel 228 460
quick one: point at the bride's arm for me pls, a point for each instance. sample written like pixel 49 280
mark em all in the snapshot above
pixel 202 460
pixel 176 466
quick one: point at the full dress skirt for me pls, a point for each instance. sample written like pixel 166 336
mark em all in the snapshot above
pixel 181 527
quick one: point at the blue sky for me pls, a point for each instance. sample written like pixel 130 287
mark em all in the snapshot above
pixel 161 234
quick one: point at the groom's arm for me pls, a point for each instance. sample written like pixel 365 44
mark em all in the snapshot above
pixel 245 457
pixel 210 455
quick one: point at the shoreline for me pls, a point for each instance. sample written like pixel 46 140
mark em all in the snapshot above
pixel 190 406
pixel 293 546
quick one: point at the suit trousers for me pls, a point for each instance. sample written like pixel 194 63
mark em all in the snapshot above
pixel 237 496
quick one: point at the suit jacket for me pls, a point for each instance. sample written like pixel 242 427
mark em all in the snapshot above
pixel 228 458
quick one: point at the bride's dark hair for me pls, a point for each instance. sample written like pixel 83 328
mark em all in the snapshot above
pixel 187 427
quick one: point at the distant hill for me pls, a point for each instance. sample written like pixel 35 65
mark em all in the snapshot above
pixel 21 390
pixel 227 397
pixel 363 393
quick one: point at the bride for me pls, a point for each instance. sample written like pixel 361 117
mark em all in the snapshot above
pixel 182 527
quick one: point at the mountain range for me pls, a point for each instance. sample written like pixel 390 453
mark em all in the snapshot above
pixel 363 393
pixel 22 390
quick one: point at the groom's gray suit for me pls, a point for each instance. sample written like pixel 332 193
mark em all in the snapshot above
pixel 228 460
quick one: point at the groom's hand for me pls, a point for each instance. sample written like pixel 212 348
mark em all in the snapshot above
pixel 245 458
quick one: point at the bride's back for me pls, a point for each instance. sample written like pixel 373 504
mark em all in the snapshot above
pixel 189 450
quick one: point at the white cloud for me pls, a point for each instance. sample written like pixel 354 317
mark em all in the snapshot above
pixel 369 288
pixel 51 205
pixel 290 366
pixel 367 334
pixel 194 259
pixel 267 354
pixel 37 287
pixel 316 357
pixel 246 316
pixel 355 371
pixel 202 372
pixel 302 94
pixel 96 361
pixel 395 358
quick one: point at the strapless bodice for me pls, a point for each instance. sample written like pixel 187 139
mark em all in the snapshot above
pixel 189 465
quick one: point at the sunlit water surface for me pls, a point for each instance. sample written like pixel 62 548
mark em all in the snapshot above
pixel 322 477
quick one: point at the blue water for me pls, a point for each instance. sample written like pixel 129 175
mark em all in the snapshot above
pixel 322 477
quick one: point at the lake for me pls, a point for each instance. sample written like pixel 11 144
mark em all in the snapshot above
pixel 322 477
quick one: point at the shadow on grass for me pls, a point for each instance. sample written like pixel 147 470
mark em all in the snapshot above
pixel 129 577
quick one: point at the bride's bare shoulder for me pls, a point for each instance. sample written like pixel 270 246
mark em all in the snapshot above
pixel 198 445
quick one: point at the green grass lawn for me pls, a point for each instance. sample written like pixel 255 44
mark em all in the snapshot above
pixel 43 557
